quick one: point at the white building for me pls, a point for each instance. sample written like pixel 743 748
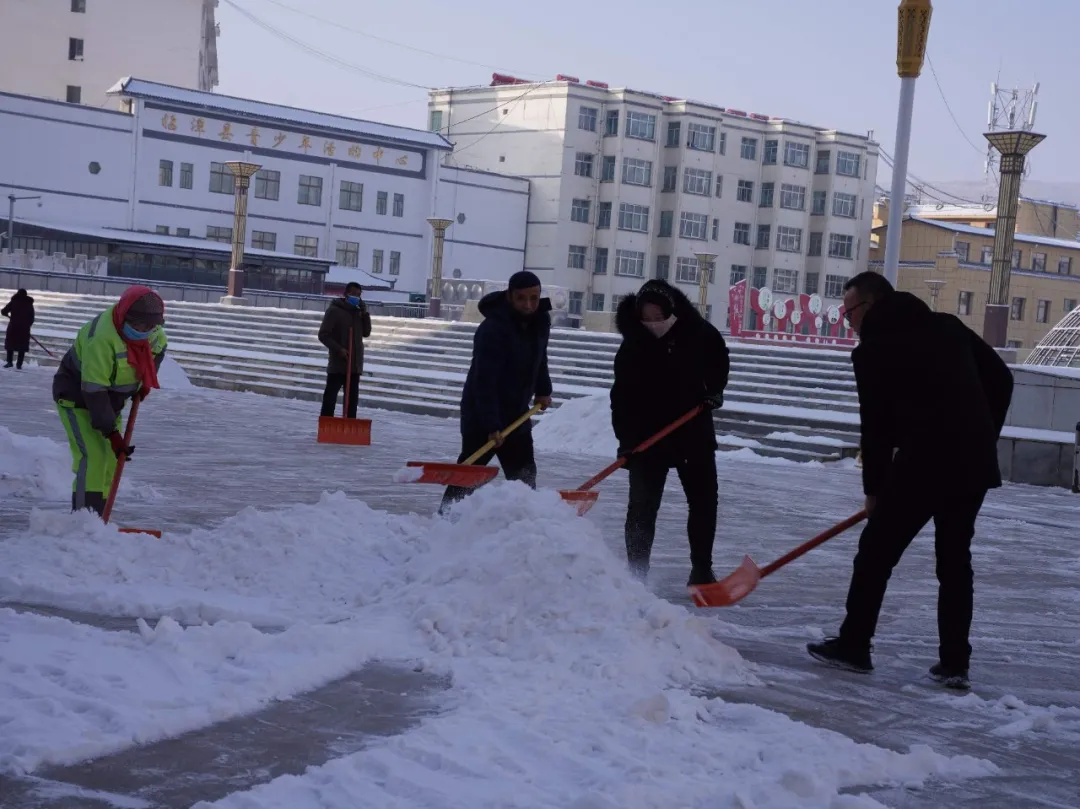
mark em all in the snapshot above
pixel 627 185
pixel 73 50
pixel 351 192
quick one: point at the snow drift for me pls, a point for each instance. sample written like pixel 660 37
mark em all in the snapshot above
pixel 581 426
pixel 172 377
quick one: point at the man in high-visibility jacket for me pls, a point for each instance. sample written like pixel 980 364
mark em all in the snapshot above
pixel 115 358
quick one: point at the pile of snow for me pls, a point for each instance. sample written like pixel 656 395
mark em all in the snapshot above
pixel 581 426
pixel 172 377
pixel 573 685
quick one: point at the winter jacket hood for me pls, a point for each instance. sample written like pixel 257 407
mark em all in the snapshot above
pixel 628 322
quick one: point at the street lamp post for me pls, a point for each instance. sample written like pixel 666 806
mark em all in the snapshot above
pixel 435 301
pixel 911 38
pixel 935 288
pixel 242 173
pixel 705 262
pixel 12 199
pixel 1013 145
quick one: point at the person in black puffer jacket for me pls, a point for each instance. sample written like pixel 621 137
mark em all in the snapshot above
pixel 671 360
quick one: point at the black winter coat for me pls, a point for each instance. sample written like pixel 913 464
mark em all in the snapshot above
pixel 21 311
pixel 934 391
pixel 657 380
pixel 509 366
pixel 334 334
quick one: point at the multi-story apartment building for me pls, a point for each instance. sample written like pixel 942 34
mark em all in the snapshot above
pixel 74 50
pixel 629 185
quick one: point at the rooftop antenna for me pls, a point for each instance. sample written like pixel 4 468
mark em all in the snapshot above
pixel 1008 109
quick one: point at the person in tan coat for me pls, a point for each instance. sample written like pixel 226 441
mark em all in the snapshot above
pixel 345 315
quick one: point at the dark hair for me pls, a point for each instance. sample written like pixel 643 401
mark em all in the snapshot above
pixel 871 284
pixel 353 286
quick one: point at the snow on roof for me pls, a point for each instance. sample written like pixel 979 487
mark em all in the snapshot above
pixel 976 231
pixel 338 274
pixel 149 90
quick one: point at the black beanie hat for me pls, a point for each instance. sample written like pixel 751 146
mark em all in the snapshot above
pixel 656 294
pixel 148 309
pixel 523 280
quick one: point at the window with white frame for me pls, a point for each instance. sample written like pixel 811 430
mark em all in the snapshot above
pixel 165 173
pixel 701 138
pixel 766 200
pixel 309 191
pixel 381 200
pixel 187 176
pixel 268 185
pixel 583 164
pixel 183 232
pixel 162 230
pixel 785 281
pixel 579 210
pixel 222 180
pixel 697 181
pixel 399 204
pixel 840 246
pixel 1016 310
pixel 671 178
pixel 667 224
pixel 813 246
pixel 674 133
pixel 596 302
pixel 1042 312
pixel 641 125
pixel 615 301
pixel 634 217
pixel 719 185
pixel 630 263
pixel 611 123
pixel 848 164
pixel 636 171
pixel 962 249
pixel 603 215
pixel 745 191
pixel 821 164
pixel 987 256
pixel 764 236
pixel 723 143
pixel 351 197
pixel 761 277
pixel 377 261
pixel 694 225
pixel 574 304
pixel 264 240
pixel 348 254
pixel 600 262
pixel 1038 262
pixel 817 203
pixel 1065 265
pixel 963 303
pixel 663 267
pixel 741 234
pixel 770 152
pixel 435 120
pixel 834 285
pixel 748 149
pixel 395 262
pixel 607 169
pixel 306 246
pixel 1018 256
pixel 576 257
pixel 216 233
pixel 796 154
pixel 811 283
pixel 844 205
pixel 686 270
pixel 738 273
pixel 788 239
pixel 1069 304
pixel 793 197
pixel 586 118
pixel 715 229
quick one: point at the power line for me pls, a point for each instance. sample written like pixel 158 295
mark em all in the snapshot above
pixel 959 128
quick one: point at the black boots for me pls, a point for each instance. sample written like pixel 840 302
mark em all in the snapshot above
pixel 835 653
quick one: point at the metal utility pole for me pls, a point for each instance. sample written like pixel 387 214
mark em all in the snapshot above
pixel 12 199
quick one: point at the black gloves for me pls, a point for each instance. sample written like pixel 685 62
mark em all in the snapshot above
pixel 714 401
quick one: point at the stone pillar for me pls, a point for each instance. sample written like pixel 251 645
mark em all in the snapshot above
pixel 242 174
pixel 435 301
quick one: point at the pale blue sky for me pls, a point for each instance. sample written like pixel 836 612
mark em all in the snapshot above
pixel 828 63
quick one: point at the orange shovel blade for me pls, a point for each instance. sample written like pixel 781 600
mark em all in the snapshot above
pixel 468 476
pixel 728 590
pixel 581 501
pixel 151 531
pixel 337 430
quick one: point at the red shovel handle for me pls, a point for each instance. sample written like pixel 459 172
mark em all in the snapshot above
pixel 121 461
pixel 809 545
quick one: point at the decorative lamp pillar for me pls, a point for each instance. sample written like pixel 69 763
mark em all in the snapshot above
pixel 911 38
pixel 935 288
pixel 706 263
pixel 435 301
pixel 242 173
pixel 1013 145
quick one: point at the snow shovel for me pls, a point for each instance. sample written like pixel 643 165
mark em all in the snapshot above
pixel 740 584
pixel 583 499
pixel 36 340
pixel 343 430
pixel 120 463
pixel 465 474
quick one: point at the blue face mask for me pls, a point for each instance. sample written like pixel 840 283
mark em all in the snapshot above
pixel 131 334
pixel 353 300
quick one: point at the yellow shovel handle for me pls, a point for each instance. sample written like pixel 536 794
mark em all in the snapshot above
pixel 490 445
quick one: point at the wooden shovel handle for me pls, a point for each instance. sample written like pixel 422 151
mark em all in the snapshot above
pixel 809 545
pixel 490 445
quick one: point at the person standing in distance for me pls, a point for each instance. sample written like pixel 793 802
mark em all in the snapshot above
pixel 671 359
pixel 344 316
pixel 933 397
pixel 20 311
pixel 509 371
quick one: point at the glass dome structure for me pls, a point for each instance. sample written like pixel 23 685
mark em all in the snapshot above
pixel 1061 345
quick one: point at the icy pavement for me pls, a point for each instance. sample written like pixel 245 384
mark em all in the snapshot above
pixel 204 455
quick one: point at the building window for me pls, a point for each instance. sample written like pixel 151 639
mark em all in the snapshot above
pixel 1069 305
pixel 603 215
pixel 376 261
pixel 813 247
pixel 987 255
pixel 715 229
pixel 963 250
pixel 766 200
pixel 844 205
pixel 162 230
pixel 607 169
pixel 840 246
pixel 786 281
pixel 742 233
pixel 738 273
pixel 574 304
pixel 268 185
pixel 723 143
pixel 686 270
pixel 963 303
pixel 218 234
pixel 768 156
pixel 596 302
pixel 789 240
pixel 847 164
pixel 187 176
pixel 611 123
pixel 263 240
pixel 399 205
pixel 674 133
pixel 630 263
pixel 381 199
pixel 164 173
pixel 309 191
pixel 797 154
pixel 434 124
pixel 640 125
pixel 634 217
pixel 761 277
pixel 834 286
pixel 576 258
pixel 1038 262
pixel 821 165
pixel 1018 256
pixel 351 197
pixel 793 197
pixel 579 210
pixel 348 254
pixel 1014 344
pixel 395 262
pixel 583 164
pixel 306 246
pixel 74 94
pixel 586 118
pixel 811 283
pixel 1016 311
pixel 663 267
pixel 183 232
pixel 1042 312
pixel 701 138
pixel 600 263
pixel 764 236
pixel 697 181
pixel 636 172
pixel 817 203
pixel 78 6
pixel 221 179
pixel 667 224
pixel 745 191
pixel 1065 265
pixel 748 149
pixel 75 50
pixel 671 178
pixel 719 185
pixel 694 225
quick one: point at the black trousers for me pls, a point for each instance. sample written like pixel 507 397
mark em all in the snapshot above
pixel 647 478
pixel 898 517
pixel 334 384
pixel 515 457
pixel 11 358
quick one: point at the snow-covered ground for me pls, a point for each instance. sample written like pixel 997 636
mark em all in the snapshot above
pixel 286 564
